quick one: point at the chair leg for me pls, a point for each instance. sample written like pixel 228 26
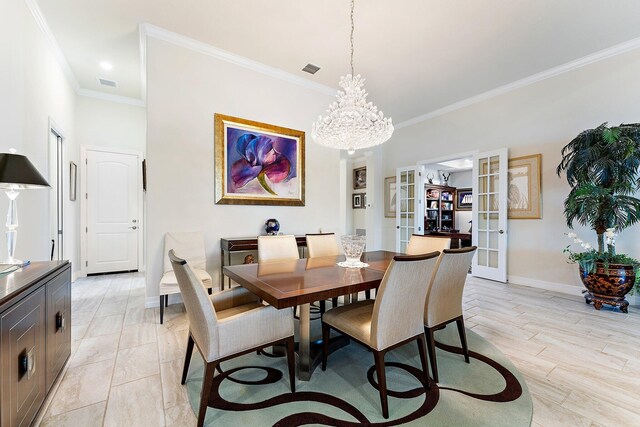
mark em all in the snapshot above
pixel 423 360
pixel 210 290
pixel 187 360
pixel 161 309
pixel 323 306
pixel 209 371
pixel 382 381
pixel 431 346
pixel 326 330
pixel 334 302
pixel 291 362
pixel 463 337
pixel 166 301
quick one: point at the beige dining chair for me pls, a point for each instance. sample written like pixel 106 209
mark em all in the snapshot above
pixel 393 319
pixel 421 244
pixel 190 246
pixel 323 245
pixel 444 300
pixel 226 325
pixel 277 248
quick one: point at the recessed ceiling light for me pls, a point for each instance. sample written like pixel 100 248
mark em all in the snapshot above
pixel 106 65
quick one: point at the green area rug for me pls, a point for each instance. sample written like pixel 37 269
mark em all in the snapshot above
pixel 254 389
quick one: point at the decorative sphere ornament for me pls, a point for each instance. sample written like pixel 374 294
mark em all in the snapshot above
pixel 272 226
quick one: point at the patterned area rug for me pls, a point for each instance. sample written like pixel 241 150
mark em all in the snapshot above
pixel 254 389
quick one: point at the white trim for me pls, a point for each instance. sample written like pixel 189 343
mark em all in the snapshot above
pixel 188 43
pixel 142 39
pixel 83 204
pixel 449 157
pixel 543 284
pixel 110 97
pixel 77 275
pixel 55 47
pixel 546 74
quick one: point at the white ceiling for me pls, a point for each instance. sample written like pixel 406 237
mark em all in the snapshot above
pixel 417 55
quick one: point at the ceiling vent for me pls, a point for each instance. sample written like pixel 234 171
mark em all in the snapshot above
pixel 105 82
pixel 310 68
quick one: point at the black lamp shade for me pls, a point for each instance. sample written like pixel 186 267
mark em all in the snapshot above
pixel 18 173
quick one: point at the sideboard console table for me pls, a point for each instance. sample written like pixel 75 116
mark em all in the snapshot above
pixel 243 244
pixel 35 337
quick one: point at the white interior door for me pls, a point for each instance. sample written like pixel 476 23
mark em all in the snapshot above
pixel 489 232
pixel 112 211
pixel 409 203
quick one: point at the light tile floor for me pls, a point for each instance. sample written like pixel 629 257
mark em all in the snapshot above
pixel 582 366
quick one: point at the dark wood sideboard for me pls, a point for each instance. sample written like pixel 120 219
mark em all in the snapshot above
pixel 35 337
pixel 243 244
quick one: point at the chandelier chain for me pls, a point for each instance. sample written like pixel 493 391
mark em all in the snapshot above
pixel 352 29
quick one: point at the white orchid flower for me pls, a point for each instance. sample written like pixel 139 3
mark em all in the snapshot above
pixel 586 246
pixel 572 235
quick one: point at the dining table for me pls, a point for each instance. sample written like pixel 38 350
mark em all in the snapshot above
pixel 305 281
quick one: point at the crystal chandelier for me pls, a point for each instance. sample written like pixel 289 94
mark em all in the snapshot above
pixel 351 122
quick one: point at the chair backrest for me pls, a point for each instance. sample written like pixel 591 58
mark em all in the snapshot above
pixel 444 298
pixel 322 245
pixel 203 322
pixel 187 245
pixel 398 309
pixel 277 248
pixel 420 244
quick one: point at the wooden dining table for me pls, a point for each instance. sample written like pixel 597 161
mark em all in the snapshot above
pixel 305 281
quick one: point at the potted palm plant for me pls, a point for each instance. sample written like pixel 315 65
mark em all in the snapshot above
pixel 601 166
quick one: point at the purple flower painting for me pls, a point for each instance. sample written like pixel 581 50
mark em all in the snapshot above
pixel 254 158
pixel 258 163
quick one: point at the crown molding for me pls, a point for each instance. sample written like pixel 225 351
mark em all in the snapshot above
pixel 55 47
pixel 188 43
pixel 136 102
pixel 544 75
pixel 64 65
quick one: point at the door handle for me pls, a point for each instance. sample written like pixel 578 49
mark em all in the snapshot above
pixel 501 231
pixel 133 228
pixel 60 321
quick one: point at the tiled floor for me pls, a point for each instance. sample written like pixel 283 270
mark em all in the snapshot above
pixel 582 366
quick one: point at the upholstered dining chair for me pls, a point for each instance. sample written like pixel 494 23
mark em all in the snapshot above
pixel 277 248
pixel 444 300
pixel 323 245
pixel 393 319
pixel 226 325
pixel 190 246
pixel 421 244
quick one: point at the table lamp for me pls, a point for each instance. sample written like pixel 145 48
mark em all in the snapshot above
pixel 16 173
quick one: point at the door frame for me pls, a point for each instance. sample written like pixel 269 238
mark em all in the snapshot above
pixel 83 203
pixel 55 129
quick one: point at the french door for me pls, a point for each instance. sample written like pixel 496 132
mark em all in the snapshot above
pixel 409 204
pixel 489 214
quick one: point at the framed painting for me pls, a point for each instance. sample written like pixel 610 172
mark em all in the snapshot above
pixel 359 178
pixel 464 199
pixel 73 181
pixel 390 197
pixel 525 187
pixel 357 201
pixel 257 163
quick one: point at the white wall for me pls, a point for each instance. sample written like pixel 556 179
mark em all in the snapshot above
pixel 185 89
pixel 540 118
pixel 34 89
pixel 108 124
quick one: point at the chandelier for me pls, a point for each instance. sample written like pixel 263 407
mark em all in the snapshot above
pixel 351 122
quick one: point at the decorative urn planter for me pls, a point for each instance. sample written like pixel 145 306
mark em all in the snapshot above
pixel 608 285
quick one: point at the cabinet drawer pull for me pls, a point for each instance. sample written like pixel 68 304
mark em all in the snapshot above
pixel 60 321
pixel 27 363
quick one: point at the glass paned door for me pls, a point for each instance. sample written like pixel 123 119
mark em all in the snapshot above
pixel 409 202
pixel 490 214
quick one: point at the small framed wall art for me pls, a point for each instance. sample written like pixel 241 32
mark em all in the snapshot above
pixel 525 187
pixel 390 197
pixel 360 178
pixel 464 199
pixel 358 200
pixel 73 181
pixel 258 163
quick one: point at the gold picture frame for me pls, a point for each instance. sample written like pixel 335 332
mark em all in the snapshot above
pixel 525 187
pixel 242 177
pixel 390 194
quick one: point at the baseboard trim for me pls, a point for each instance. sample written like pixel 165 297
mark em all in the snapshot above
pixel 543 284
pixel 77 275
